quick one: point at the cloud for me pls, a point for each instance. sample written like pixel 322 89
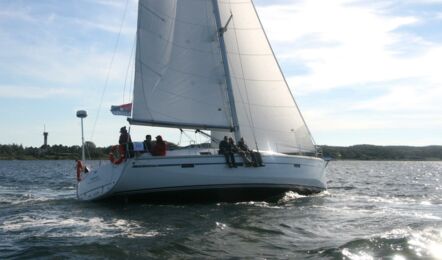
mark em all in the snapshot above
pixel 104 26
pixel 23 15
pixel 406 99
pixel 58 53
pixel 351 44
pixel 350 47
pixel 33 92
pixel 117 4
pixel 55 63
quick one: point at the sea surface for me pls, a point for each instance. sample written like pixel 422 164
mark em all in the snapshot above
pixel 372 210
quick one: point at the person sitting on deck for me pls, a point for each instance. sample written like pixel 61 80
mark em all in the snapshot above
pixel 256 159
pixel 226 149
pixel 244 152
pixel 233 150
pixel 159 149
pixel 148 143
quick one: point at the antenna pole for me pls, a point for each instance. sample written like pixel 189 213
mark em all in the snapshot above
pixel 221 30
pixel 83 157
pixel 82 114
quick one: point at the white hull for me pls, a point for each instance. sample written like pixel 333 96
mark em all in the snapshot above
pixel 203 177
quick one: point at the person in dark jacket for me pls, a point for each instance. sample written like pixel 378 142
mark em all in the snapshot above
pixel 226 149
pixel 250 157
pixel 148 143
pixel 245 153
pixel 124 136
pixel 126 142
pixel 160 147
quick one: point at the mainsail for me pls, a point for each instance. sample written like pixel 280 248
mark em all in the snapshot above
pixel 179 76
pixel 180 80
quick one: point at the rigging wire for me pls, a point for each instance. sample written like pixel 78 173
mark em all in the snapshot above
pixel 127 70
pixel 181 136
pixel 109 69
pixel 188 137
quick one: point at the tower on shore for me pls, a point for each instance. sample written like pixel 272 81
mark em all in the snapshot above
pixel 45 136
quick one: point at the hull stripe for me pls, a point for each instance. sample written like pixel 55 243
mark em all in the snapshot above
pixel 187 165
pixel 220 187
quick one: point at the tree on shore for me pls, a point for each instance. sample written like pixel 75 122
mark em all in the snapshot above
pixel 356 152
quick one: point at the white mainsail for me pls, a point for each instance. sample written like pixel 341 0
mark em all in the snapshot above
pixel 180 80
pixel 179 75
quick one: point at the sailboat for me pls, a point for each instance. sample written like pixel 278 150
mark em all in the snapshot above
pixel 208 65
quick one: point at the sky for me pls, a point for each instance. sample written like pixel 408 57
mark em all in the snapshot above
pixel 362 72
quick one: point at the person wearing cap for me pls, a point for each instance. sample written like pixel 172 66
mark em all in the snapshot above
pixel 124 136
pixel 126 142
pixel 159 149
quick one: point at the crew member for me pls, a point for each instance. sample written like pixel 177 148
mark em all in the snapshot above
pixel 159 149
pixel 125 141
pixel 256 159
pixel 226 150
pixel 148 144
pixel 244 152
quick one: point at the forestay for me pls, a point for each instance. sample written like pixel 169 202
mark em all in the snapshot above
pixel 179 75
pixel 266 109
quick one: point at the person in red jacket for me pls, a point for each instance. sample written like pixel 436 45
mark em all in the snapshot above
pixel 159 149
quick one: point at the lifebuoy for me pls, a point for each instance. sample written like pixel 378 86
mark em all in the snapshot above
pixel 80 168
pixel 121 152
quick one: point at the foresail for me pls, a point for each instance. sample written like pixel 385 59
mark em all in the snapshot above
pixel 179 76
pixel 267 113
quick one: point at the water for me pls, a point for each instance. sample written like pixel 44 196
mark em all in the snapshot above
pixel 372 210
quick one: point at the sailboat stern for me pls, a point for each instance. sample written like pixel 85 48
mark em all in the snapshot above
pixel 98 184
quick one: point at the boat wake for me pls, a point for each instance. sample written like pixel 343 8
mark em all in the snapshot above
pixel 395 244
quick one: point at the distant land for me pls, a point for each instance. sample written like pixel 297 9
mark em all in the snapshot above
pixel 355 152
pixel 387 153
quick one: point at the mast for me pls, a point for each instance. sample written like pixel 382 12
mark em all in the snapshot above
pixel 220 32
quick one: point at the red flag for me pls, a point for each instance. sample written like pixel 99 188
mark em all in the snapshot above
pixel 122 110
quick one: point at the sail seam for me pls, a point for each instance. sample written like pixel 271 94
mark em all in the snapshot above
pixel 200 50
pixel 171 18
pixel 174 43
pixel 176 70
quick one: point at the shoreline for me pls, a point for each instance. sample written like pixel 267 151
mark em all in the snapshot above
pixel 362 152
